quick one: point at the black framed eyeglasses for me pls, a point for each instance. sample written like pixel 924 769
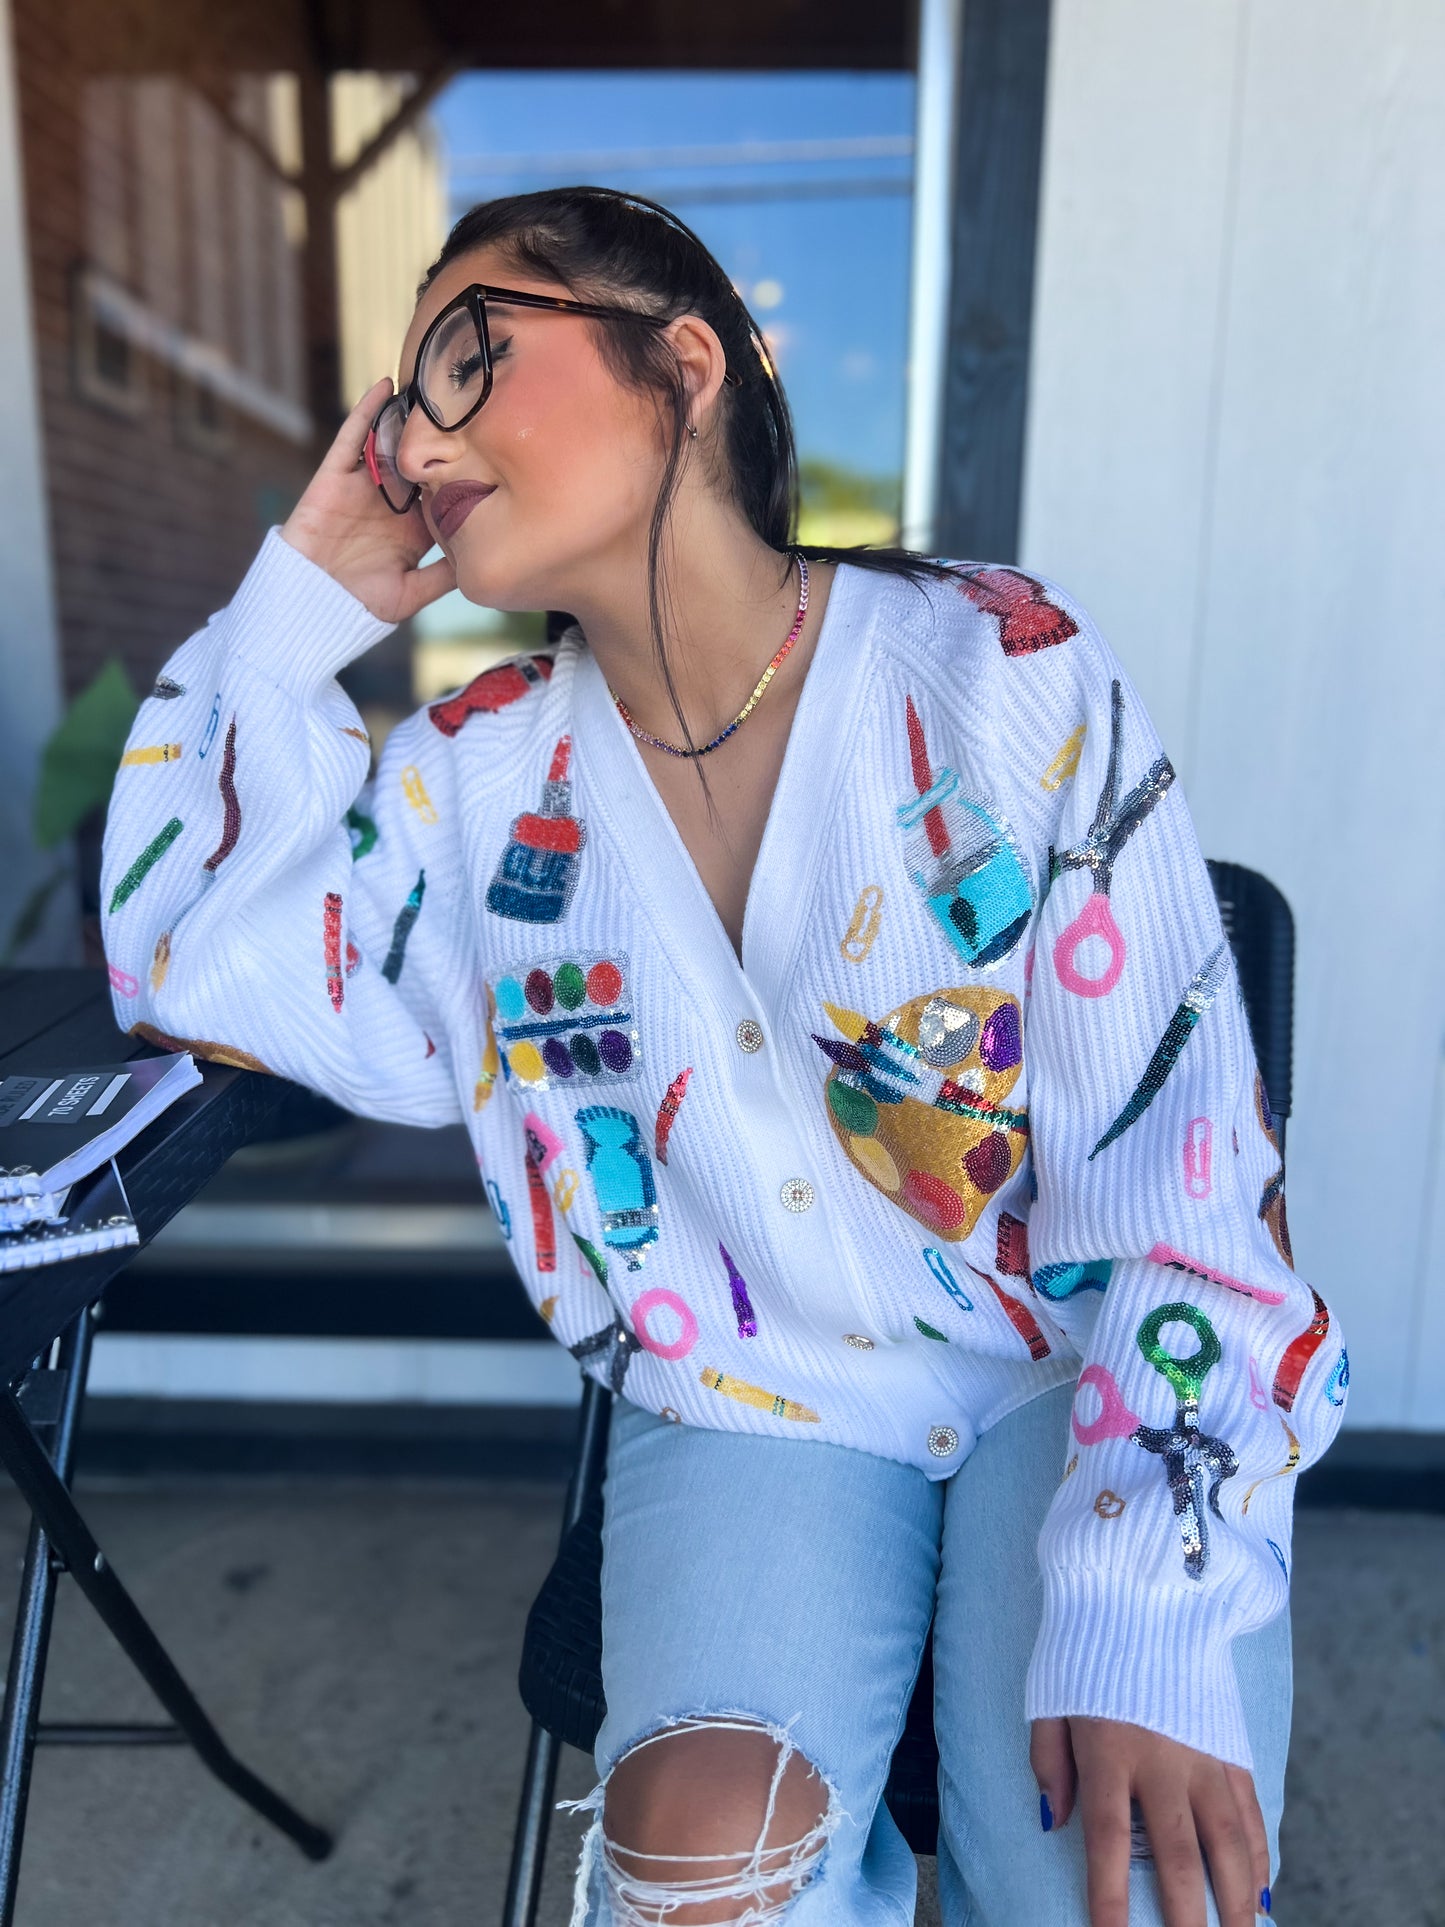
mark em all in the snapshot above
pixel 454 376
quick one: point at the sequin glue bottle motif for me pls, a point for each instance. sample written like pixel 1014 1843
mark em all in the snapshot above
pixel 537 872
pixel 962 857
pixel 621 1173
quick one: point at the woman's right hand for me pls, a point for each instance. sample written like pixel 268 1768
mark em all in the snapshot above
pixel 343 526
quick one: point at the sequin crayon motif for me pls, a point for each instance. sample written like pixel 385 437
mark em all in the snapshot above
pixel 537 871
pixel 742 1305
pixel 401 930
pixel 230 804
pixel 1298 1353
pixel 495 689
pixel 1202 991
pixel 667 1112
pixel 149 857
pixel 151 753
pixel 1019 1316
pixel 543 1148
pixel 754 1395
pixel 331 948
pixel 1027 620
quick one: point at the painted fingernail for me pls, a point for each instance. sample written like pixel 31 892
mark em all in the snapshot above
pixel 1046 1815
pixel 1264 1900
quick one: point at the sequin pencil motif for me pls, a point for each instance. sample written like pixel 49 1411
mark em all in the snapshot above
pixel 1019 1316
pixel 151 753
pixel 149 857
pixel 754 1395
pixel 742 1305
pixel 543 1148
pixel 401 930
pixel 1202 991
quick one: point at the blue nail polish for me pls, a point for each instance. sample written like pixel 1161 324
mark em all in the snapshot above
pixel 1264 1900
pixel 1046 1814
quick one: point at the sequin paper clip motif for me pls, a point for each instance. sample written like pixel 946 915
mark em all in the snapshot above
pixel 939 1266
pixel 414 789
pixel 917 1102
pixel 667 1112
pixel 495 689
pixel 331 949
pixel 544 1147
pixel 1339 1384
pixel 621 1173
pixel 569 1020
pixel 754 1395
pixel 864 924
pixel 401 930
pixel 1027 620
pixel 1066 763
pixel 1113 825
pixel 149 857
pixel 1198 1158
pixel 1204 987
pixel 122 981
pixel 742 1305
pixel 230 806
pixel 962 857
pixel 537 872
pixel 213 723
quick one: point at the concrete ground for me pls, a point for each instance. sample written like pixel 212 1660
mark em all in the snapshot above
pixel 357 1642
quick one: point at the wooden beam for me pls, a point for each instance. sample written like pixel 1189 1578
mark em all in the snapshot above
pixel 410 110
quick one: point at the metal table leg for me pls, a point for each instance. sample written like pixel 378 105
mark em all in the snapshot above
pixel 61 1541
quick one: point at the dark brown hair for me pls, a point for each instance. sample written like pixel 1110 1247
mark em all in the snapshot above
pixel 602 245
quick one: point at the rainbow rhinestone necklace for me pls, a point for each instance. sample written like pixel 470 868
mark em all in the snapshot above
pixel 752 702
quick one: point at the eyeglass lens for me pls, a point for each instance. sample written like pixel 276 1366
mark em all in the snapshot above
pixel 452 378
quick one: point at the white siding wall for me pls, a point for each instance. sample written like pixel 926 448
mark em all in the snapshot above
pixel 1236 457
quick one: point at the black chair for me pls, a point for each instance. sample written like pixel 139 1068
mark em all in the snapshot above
pixel 561 1671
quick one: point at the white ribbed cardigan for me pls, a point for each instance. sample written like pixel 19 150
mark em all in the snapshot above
pixel 977 1115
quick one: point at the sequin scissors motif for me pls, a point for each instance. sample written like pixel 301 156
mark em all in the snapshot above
pixel 1190 1457
pixel 1098 853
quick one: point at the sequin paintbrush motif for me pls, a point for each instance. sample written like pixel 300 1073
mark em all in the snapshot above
pixel 754 1395
pixel 667 1112
pixel 401 930
pixel 149 857
pixel 331 949
pixel 1202 991
pixel 230 805
pixel 742 1305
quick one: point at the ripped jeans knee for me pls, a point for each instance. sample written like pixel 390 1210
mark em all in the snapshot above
pixel 752 1886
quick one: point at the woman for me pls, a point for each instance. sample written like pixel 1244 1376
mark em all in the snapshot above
pixel 819 954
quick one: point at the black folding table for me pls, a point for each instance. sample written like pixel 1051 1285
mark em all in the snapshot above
pixel 52 1020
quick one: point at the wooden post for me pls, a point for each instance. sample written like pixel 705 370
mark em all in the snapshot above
pixel 321 302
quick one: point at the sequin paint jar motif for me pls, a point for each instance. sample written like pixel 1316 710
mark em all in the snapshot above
pixel 568 1020
pixel 917 1102
pixel 961 854
pixel 621 1174
pixel 537 871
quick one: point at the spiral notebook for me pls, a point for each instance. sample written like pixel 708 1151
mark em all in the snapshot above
pixel 94 1216
pixel 58 1126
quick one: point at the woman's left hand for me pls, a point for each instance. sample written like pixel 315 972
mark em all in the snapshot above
pixel 1197 1810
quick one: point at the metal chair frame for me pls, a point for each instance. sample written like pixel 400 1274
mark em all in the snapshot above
pixel 560 1678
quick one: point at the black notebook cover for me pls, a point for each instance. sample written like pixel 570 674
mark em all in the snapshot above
pixel 57 1126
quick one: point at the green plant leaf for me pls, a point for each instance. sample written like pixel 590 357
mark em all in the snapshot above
pixel 78 763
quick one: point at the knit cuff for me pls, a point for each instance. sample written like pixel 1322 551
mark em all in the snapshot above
pixel 295 623
pixel 1158 1657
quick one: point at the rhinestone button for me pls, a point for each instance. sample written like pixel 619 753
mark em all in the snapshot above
pixel 798 1195
pixel 750 1035
pixel 942 1441
pixel 859 1341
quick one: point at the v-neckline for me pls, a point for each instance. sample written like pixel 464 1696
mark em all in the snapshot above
pixel 799 813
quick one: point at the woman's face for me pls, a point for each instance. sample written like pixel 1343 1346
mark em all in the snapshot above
pixel 572 458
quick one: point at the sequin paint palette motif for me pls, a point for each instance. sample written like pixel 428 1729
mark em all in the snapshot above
pixel 917 1102
pixel 568 1021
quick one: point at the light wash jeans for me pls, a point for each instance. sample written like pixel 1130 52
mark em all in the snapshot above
pixel 792 1583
